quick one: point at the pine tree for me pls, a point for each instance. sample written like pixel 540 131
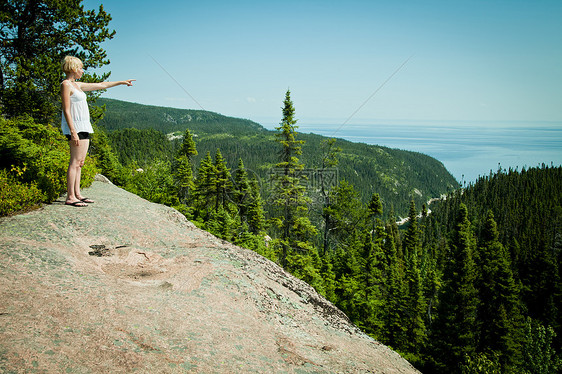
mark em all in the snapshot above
pixel 372 280
pixel 188 147
pixel 289 197
pixel 204 188
pixel 242 190
pixel 394 333
pixel 246 196
pixel 539 352
pixel 374 209
pixel 430 274
pixel 183 167
pixel 415 303
pixel 221 224
pixel 329 279
pixel 35 36
pixel 306 266
pixel 223 184
pixel 255 214
pixel 244 238
pixel 499 317
pixel 454 335
pixel 183 176
pixel 411 243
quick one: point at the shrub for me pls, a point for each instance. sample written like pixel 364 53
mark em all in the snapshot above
pixel 16 196
pixel 37 155
pixel 154 183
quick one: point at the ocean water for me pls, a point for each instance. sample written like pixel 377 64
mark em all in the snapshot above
pixel 467 149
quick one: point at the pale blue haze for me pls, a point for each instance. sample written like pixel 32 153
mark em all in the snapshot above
pixel 493 63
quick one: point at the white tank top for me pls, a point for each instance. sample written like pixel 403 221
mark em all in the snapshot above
pixel 79 113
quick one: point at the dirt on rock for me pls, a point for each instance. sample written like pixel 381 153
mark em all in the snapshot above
pixel 124 285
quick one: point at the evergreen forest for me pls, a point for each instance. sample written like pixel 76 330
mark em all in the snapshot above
pixel 143 134
pixel 471 283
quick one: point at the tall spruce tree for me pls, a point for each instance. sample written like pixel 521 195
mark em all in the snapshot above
pixel 204 190
pixel 223 184
pixel 183 176
pixel 454 334
pixel 289 191
pixel 414 301
pixel 188 147
pixel 411 243
pixel 255 212
pixel 374 210
pixel 372 279
pixel 242 191
pixel 394 333
pixel 183 167
pixel 499 317
pixel 247 197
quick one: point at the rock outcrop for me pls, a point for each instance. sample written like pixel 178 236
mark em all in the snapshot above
pixel 124 285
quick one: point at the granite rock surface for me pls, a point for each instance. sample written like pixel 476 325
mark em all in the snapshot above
pixel 124 285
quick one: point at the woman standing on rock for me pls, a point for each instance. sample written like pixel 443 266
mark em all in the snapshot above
pixel 76 124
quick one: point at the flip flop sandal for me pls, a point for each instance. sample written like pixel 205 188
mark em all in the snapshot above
pixel 79 204
pixel 86 200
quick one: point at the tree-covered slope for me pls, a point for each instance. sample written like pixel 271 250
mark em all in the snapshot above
pixel 513 273
pixel 528 210
pixel 122 114
pixel 397 175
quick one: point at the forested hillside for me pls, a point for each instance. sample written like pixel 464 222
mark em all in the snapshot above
pixel 396 175
pixel 497 251
pixel 122 114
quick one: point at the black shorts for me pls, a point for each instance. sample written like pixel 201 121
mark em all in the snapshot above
pixel 81 135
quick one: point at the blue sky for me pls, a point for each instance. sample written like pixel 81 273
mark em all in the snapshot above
pixel 472 60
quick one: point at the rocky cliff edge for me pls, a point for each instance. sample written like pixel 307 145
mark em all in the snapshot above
pixel 125 285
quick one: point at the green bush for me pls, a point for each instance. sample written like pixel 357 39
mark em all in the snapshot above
pixel 16 196
pixel 37 155
pixel 481 363
pixel 154 183
pixel 539 354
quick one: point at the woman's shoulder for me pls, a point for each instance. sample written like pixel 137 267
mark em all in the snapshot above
pixel 67 86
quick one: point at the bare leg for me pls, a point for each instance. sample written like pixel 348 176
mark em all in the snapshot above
pixel 77 157
pixel 84 144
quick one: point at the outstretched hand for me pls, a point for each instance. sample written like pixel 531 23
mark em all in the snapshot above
pixel 129 82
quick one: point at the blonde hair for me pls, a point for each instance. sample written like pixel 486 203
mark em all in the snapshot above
pixel 71 64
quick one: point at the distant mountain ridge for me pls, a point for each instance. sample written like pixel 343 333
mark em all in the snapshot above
pixel 123 114
pixel 397 175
